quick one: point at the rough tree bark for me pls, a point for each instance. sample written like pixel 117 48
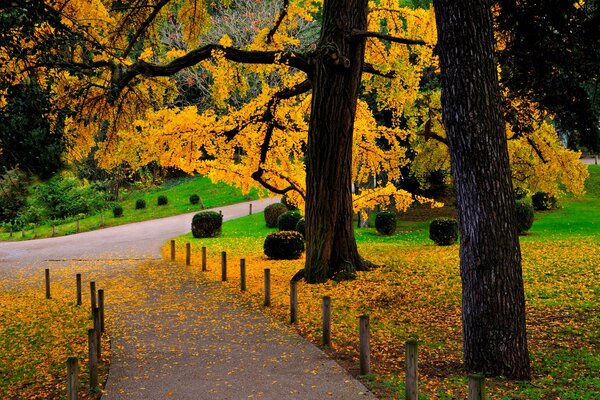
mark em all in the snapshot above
pixel 338 66
pixel 493 301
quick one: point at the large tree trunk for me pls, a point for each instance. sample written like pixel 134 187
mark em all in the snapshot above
pixel 493 299
pixel 338 63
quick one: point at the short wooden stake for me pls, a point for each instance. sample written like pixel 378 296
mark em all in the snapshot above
pixel 223 266
pixel 476 387
pixel 172 250
pixel 220 212
pixel 293 302
pixel 93 358
pixel 101 308
pixel 23 232
pixel 267 302
pixel 412 378
pixel 243 274
pixel 93 304
pixel 53 230
pixel 47 272
pixel 72 378
pixel 326 319
pixel 250 209
pixel 101 219
pixel 188 254
pixel 98 332
pixel 77 226
pixel 203 258
pixel 78 285
pixel 365 349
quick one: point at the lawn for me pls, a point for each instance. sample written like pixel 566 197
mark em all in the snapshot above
pixel 416 294
pixel 177 191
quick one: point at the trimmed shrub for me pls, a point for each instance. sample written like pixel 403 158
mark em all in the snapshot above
pixel 523 216
pixel 288 220
pixel 272 213
pixel 140 204
pixel 520 193
pixel 443 231
pixel 117 211
pixel 385 223
pixel 207 224
pixel 284 245
pixel 301 226
pixel 194 199
pixel 162 200
pixel 542 201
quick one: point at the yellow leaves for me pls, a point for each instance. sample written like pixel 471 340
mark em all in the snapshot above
pixel 194 19
pixel 146 55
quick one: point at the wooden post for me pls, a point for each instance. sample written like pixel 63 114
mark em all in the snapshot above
pixel 53 230
pixel 102 219
pixel 326 319
pixel 293 302
pixel 250 209
pixel 47 273
pixel 243 274
pixel 365 350
pixel 77 225
pixel 78 285
pixel 72 378
pixel 23 232
pixel 101 308
pixel 223 266
pixel 476 387
pixel 267 301
pixel 203 258
pixel 93 358
pixel 172 250
pixel 188 254
pixel 98 332
pixel 93 295
pixel 220 212
pixel 412 378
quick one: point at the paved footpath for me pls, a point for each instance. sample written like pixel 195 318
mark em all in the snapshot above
pixel 183 337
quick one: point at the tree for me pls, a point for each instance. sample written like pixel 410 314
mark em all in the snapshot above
pixel 493 300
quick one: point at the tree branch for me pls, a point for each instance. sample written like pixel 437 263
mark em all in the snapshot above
pixel 370 69
pixel 144 26
pixel 282 15
pixel 362 34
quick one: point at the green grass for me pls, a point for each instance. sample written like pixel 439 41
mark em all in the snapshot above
pixel 177 191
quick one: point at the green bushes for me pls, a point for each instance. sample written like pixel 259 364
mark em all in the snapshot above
pixel 140 204
pixel 385 222
pixel 207 224
pixel 443 231
pixel 520 193
pixel 162 200
pixel 194 199
pixel 543 201
pixel 284 245
pixel 523 216
pixel 272 213
pixel 301 226
pixel 288 220
pixel 117 211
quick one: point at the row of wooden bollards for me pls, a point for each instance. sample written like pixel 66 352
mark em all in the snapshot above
pixel 476 382
pixel 94 337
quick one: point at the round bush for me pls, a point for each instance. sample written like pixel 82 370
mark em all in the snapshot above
pixel 194 199
pixel 162 200
pixel 523 216
pixel 288 220
pixel 140 204
pixel 385 222
pixel 542 201
pixel 284 245
pixel 272 213
pixel 207 224
pixel 301 226
pixel 520 193
pixel 443 231
pixel 117 211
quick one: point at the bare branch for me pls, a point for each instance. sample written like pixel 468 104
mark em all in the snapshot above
pixel 144 26
pixel 370 69
pixel 362 34
pixel 282 15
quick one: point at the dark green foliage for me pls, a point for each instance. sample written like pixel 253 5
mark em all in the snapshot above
pixel 301 226
pixel 207 224
pixel 194 199
pixel 140 204
pixel 272 213
pixel 13 194
pixel 288 220
pixel 162 200
pixel 286 202
pixel 117 211
pixel 385 222
pixel 443 231
pixel 284 245
pixel 523 216
pixel 543 201
pixel 520 193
